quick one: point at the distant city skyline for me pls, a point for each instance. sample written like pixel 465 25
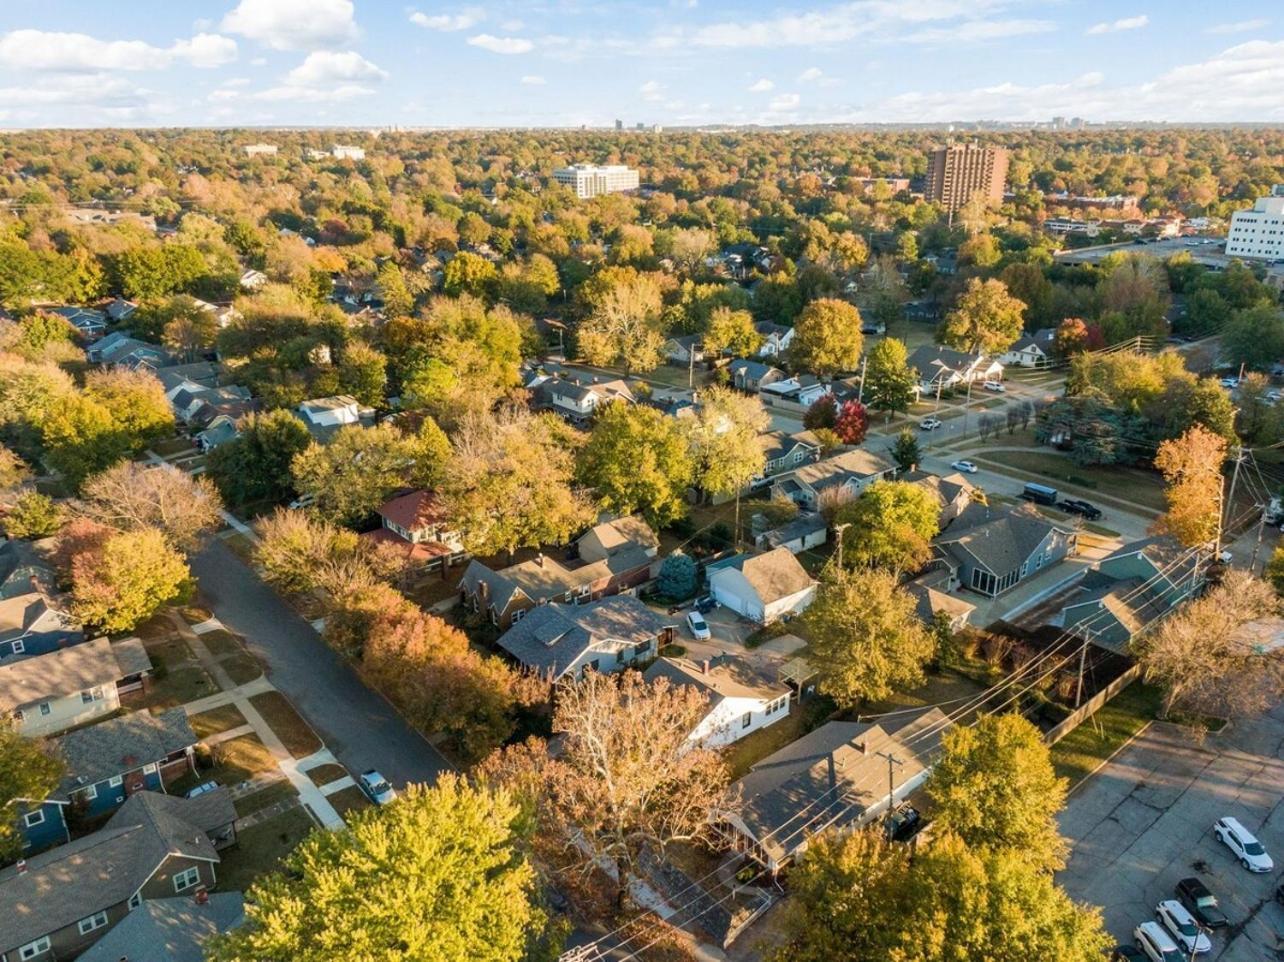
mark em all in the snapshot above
pixel 546 63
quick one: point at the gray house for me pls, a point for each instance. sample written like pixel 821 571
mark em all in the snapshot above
pixel 990 549
pixel 169 930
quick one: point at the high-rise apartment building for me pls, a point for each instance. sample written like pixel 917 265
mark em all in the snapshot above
pixel 958 171
pixel 589 180
pixel 1259 232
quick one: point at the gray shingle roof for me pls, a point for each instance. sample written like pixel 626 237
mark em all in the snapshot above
pixel 1000 539
pixel 551 637
pixel 120 745
pixel 727 678
pixel 773 575
pixel 58 673
pixel 800 527
pixel 929 359
pixel 168 930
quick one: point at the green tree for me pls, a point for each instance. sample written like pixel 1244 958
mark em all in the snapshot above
pixel 866 637
pixel 396 296
pixel 889 382
pixel 994 786
pixel 731 332
pixel 622 320
pixel 355 472
pixel 363 373
pixel 891 525
pixel 468 273
pixel 440 875
pixel 121 582
pixel 1254 337
pixel 638 459
pixel 724 437
pixel 255 466
pixel 827 338
pixel 1274 572
pixel 905 452
pixel 187 327
pixel 28 770
pixel 986 319
pixel 82 438
pixel 32 515
pixel 677 578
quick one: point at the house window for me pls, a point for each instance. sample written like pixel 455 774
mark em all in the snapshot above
pixel 149 769
pixel 19 716
pixel 135 900
pixel 44 708
pixel 95 921
pixel 517 615
pixel 19 646
pixel 32 949
pixel 93 695
pixel 90 792
pixel 32 819
pixel 186 879
pixel 114 781
pixel 746 720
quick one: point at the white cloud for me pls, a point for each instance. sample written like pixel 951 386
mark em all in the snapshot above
pixel 979 31
pixel 1114 26
pixel 448 21
pixel 761 86
pixel 652 91
pixel 783 102
pixel 81 53
pixel 511 25
pixel 811 73
pixel 327 75
pixel 294 24
pixel 1239 26
pixel 533 80
pixel 504 45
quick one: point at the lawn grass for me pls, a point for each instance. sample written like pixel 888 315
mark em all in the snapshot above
pixel 172 687
pixel 1138 487
pixel 195 614
pixel 241 546
pixel 242 667
pixel 299 738
pixel 173 446
pixel 221 642
pixel 349 800
pixel 754 747
pixel 1078 754
pixel 264 798
pixel 221 719
pixel 949 687
pixel 260 849
pixel 325 774
pixel 237 760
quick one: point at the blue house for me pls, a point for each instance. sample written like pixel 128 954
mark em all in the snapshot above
pixel 107 763
pixel 30 625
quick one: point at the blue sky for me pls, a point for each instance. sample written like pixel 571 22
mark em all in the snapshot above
pixel 674 62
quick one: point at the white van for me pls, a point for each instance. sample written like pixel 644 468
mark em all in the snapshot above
pixel 1243 845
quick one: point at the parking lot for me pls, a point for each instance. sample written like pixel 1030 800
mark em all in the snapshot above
pixel 1145 821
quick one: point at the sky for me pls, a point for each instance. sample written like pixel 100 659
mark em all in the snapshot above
pixel 542 63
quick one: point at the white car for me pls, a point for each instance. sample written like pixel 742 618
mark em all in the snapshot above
pixel 995 386
pixel 699 627
pixel 1154 941
pixel 377 787
pixel 1182 927
pixel 1243 845
pixel 967 467
pixel 929 423
pixel 1230 382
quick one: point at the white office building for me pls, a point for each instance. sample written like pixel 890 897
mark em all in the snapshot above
pixel 1259 233
pixel 589 180
pixel 260 150
pixel 347 152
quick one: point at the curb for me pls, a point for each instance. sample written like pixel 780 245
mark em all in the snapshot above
pixel 1110 758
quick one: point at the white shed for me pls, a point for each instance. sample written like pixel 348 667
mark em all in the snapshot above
pixel 762 587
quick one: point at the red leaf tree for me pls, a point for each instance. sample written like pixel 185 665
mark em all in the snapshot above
pixel 852 422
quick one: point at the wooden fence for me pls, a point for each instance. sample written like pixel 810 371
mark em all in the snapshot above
pixel 1089 707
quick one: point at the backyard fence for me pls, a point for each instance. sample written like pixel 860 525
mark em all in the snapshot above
pixel 1089 707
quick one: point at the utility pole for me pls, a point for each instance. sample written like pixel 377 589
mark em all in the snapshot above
pixel 1261 531
pixel 860 395
pixel 967 402
pixel 1083 657
pixel 892 762
pixel 838 533
pixel 940 382
pixel 691 366
pixel 1228 503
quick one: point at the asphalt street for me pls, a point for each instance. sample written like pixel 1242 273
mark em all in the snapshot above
pixel 357 724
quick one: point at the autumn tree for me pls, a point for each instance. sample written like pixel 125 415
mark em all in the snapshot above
pixel 821 413
pixel 994 786
pixel 622 319
pixel 28 770
pixel 123 581
pixel 135 497
pixel 625 778
pixel 725 446
pixel 891 525
pixel 986 319
pixel 1210 657
pixel 905 452
pixel 731 332
pixel 865 637
pixel 827 338
pixel 441 874
pixel 889 380
pixel 1192 467
pixel 299 553
pixel 189 327
pixel 637 459
pixel 468 273
pixel 255 465
pixel 852 422
pixel 32 515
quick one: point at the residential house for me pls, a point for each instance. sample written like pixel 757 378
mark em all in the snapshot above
pixel 558 640
pixel 752 376
pixel 30 625
pixel 324 417
pixel 674 402
pixel 417 523
pixel 841 477
pixel 200 405
pixel 193 377
pixel 685 350
pixel 762 587
pixel 942 367
pixel 576 396
pixel 219 431
pixel 106 764
pixel 776 338
pixel 119 310
pixel 252 280
pixel 119 350
pixel 795 394
pixel 23 570
pixel 834 779
pixel 1130 588
pixel 1031 350
pixel 609 538
pixel 933 601
pixel 169 930
pixel 740 702
pixel 223 314
pixel 50 693
pixel 57 904
pixel 808 530
pixel 953 492
pixel 992 549
pixel 91 323
pixel 785 451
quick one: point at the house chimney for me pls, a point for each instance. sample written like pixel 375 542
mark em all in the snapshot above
pixel 22 866
pixel 202 896
pixel 539 559
pixel 704 667
pixel 862 747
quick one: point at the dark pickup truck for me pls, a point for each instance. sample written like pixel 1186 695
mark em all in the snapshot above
pixel 1202 903
pixel 1075 506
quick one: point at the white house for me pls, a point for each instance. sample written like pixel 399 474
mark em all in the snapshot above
pixel 776 338
pixel 762 587
pixel 1031 350
pixel 324 416
pixel 803 391
pixel 50 693
pixel 577 400
pixel 846 475
pixel 943 367
pixel 739 703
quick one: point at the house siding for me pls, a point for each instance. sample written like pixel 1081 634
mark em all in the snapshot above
pixel 52 831
pixel 725 724
pixel 67 711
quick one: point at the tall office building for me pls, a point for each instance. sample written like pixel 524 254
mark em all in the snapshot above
pixel 589 180
pixel 1259 232
pixel 958 171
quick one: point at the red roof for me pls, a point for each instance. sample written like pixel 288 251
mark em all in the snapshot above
pixel 414 511
pixel 424 551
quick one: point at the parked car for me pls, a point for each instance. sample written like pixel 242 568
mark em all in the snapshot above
pixel 377 787
pixel 699 627
pixel 1279 894
pixel 200 789
pixel 1039 494
pixel 930 423
pixel 996 386
pixel 967 467
pixel 1230 382
pixel 904 824
pixel 1155 943
pixel 1202 903
pixel 1127 953
pixel 1243 844
pixel 705 604
pixel 1075 506
pixel 1181 925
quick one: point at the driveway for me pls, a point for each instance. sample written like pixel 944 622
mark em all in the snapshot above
pixel 357 724
pixel 1145 821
